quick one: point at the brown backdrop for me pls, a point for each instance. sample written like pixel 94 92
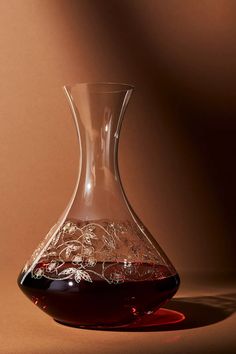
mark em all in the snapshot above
pixel 178 141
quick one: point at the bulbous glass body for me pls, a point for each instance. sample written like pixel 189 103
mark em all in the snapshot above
pixel 98 267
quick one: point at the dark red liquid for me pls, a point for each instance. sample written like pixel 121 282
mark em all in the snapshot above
pixel 98 303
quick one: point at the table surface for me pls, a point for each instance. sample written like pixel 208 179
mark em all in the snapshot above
pixel 207 303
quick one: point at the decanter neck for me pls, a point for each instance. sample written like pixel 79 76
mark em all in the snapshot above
pixel 98 111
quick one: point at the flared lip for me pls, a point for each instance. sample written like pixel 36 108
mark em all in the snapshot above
pixel 102 87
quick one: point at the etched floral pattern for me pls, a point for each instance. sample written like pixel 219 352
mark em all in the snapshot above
pixel 84 251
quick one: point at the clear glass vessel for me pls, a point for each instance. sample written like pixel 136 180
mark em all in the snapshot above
pixel 98 267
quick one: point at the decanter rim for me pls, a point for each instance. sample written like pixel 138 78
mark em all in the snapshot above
pixel 102 86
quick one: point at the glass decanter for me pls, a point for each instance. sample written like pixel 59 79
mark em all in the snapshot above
pixel 98 267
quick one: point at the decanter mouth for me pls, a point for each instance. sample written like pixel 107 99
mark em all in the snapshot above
pixel 101 87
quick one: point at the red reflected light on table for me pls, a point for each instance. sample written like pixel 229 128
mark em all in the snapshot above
pixel 162 318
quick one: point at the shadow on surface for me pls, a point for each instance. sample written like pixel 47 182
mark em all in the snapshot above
pixel 186 313
pixel 201 311
pixel 197 312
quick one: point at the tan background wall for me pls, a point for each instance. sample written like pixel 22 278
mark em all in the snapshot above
pixel 178 142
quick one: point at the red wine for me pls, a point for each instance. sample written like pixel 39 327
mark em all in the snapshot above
pixel 98 303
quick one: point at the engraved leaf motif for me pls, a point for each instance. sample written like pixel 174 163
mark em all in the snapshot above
pixel 87 239
pixel 72 229
pixel 52 266
pixel 71 248
pixel 68 252
pixel 69 228
pixel 77 277
pixel 50 254
pixel 109 242
pixel 80 274
pixel 68 272
pixel 88 236
pixel 86 277
pixel 38 273
pixel 90 262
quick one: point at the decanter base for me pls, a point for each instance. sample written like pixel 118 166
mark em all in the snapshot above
pixel 161 319
pixel 99 302
pixel 96 326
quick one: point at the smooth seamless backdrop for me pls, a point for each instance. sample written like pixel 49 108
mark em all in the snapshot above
pixel 178 138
